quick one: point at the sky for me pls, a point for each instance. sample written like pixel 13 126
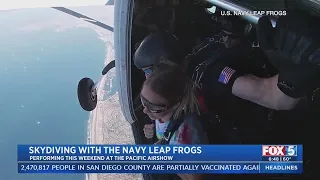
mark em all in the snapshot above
pixel 18 4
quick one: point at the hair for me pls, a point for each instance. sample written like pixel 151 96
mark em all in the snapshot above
pixel 169 81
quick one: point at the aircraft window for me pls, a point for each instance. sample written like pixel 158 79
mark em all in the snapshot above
pixel 43 55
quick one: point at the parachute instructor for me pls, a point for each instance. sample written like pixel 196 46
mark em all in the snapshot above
pixel 293 46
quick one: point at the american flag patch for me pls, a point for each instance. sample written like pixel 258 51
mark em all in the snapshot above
pixel 225 75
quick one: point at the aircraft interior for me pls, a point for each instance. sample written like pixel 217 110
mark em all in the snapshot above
pixel 195 20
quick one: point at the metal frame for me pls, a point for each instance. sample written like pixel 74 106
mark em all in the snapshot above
pixel 123 11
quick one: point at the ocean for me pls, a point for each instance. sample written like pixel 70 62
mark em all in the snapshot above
pixel 39 74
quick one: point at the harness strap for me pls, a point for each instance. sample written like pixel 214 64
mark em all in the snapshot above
pixel 172 127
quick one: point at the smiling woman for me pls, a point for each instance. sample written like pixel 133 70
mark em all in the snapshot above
pixel 169 99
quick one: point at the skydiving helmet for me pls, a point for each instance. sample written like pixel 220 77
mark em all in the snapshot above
pixel 157 46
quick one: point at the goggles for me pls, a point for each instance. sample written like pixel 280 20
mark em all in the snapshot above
pixel 154 108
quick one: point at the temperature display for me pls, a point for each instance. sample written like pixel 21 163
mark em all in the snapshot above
pixel 279 158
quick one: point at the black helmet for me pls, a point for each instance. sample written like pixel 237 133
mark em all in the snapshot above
pixel 156 46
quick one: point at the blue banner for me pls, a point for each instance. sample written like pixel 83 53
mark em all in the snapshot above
pixel 157 153
pixel 164 168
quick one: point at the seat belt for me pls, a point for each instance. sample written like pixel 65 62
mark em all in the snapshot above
pixel 172 127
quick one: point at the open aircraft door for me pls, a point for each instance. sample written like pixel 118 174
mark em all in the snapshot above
pixel 122 41
pixel 87 88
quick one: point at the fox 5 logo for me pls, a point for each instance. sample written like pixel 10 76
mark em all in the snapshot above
pixel 279 150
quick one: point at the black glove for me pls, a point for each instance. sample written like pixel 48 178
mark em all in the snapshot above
pixel 296 81
pixel 293 47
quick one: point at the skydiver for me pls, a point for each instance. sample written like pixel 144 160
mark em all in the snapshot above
pixel 168 98
pixel 294 48
pixel 237 118
pixel 283 91
pixel 299 56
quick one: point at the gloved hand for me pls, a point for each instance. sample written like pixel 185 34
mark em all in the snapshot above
pixel 293 47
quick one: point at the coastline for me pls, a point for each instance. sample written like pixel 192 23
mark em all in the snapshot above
pixel 106 124
pixel 94 132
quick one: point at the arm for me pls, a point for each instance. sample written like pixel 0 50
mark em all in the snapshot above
pixel 263 91
pixel 281 92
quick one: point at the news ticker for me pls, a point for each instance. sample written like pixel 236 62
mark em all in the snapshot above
pixel 168 153
pixel 218 159
pixel 166 168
